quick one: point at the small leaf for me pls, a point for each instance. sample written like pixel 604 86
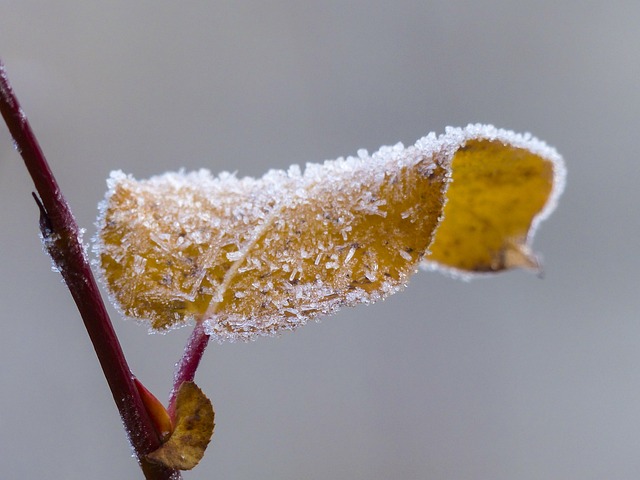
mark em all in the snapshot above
pixel 252 257
pixel 192 433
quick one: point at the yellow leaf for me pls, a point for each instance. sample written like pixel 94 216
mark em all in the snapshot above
pixel 192 433
pixel 252 257
pixel 502 186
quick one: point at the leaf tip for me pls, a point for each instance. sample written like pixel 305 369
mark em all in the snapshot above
pixel 519 255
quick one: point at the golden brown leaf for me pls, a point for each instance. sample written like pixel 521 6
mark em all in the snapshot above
pixel 252 257
pixel 192 433
pixel 256 256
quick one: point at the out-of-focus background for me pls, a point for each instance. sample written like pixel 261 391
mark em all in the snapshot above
pixel 512 377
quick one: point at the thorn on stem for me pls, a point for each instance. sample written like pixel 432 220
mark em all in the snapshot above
pixel 46 228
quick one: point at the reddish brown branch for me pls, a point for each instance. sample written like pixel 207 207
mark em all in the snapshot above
pixel 62 239
pixel 186 368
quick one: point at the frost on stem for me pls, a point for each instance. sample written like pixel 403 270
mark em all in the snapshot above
pixel 255 256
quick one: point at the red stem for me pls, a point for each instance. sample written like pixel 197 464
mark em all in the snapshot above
pixel 62 239
pixel 186 367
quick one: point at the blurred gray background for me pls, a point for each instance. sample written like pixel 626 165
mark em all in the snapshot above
pixel 513 377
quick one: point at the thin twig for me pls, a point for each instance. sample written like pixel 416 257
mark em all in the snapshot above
pixel 186 367
pixel 62 238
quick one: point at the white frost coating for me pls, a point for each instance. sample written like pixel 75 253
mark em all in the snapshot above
pixel 455 138
pixel 48 243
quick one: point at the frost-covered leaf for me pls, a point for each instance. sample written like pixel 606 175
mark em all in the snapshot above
pixel 254 256
pixel 192 433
